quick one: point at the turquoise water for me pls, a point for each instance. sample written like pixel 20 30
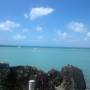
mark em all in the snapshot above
pixel 47 58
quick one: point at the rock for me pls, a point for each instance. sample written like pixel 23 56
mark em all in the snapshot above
pixel 21 76
pixel 73 78
pixel 4 73
pixel 17 78
pixel 54 77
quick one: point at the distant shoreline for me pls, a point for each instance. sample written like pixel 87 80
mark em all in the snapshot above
pixel 26 46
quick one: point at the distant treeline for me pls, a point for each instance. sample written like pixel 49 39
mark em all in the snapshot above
pixel 28 46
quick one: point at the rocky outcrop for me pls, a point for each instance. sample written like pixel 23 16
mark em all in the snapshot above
pixel 73 78
pixel 17 78
pixel 55 78
pixel 4 73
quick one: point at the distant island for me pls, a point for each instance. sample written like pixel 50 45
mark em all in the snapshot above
pixel 17 78
pixel 28 46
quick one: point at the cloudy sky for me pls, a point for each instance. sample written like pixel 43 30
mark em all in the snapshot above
pixel 45 22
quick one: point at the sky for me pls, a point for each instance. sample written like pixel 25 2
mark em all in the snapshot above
pixel 64 23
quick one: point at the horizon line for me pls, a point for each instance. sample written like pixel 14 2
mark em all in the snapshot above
pixel 38 46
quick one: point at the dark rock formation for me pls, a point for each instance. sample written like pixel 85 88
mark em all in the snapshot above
pixel 4 72
pixel 55 78
pixel 17 78
pixel 73 78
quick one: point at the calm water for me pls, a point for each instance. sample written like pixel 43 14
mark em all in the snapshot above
pixel 47 58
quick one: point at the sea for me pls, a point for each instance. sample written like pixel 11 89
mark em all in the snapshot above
pixel 46 58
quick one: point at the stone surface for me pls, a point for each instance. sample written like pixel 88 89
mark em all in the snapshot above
pixel 17 78
pixel 73 78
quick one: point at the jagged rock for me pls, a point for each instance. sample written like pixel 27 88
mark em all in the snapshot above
pixel 55 78
pixel 73 78
pixel 4 72
pixel 17 78
pixel 21 76
pixel 42 81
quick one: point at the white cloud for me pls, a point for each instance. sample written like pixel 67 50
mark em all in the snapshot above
pixel 8 25
pixel 40 37
pixel 88 34
pixel 38 12
pixel 39 29
pixel 19 37
pixel 77 26
pixel 26 15
pixel 85 38
pixel 62 35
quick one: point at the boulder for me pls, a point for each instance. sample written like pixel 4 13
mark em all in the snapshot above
pixel 55 78
pixel 73 78
pixel 17 78
pixel 4 73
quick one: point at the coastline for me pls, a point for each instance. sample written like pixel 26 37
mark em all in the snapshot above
pixel 26 46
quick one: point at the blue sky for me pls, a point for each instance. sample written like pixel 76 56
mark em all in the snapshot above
pixel 45 22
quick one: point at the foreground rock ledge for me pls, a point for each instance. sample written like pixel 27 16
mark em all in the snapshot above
pixel 16 78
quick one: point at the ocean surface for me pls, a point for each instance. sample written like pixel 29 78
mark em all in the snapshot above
pixel 46 58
